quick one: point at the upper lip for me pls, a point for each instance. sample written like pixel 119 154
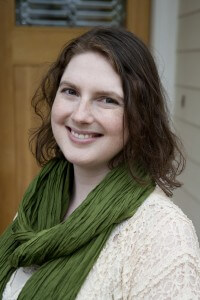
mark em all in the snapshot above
pixel 82 131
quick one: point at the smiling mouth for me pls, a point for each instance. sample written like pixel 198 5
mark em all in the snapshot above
pixel 83 135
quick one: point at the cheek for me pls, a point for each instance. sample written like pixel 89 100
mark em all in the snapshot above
pixel 58 112
pixel 120 130
pixel 115 124
pixel 55 109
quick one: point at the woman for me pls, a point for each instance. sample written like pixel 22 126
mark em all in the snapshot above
pixel 97 222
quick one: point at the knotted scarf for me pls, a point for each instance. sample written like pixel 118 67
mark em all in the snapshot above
pixel 65 251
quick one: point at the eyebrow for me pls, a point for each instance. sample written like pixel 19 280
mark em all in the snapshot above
pixel 97 93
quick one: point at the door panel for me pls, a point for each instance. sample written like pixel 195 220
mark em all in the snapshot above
pixel 26 79
pixel 35 45
pixel 25 54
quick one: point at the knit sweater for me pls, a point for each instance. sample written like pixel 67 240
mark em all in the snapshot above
pixel 153 255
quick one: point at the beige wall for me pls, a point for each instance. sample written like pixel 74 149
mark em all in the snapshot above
pixel 187 106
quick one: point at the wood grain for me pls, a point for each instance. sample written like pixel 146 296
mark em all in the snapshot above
pixel 7 132
pixel 24 54
pixel 138 18
pixel 35 45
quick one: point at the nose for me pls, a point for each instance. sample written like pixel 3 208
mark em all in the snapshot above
pixel 82 112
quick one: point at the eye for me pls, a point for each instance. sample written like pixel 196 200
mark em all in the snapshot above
pixel 108 100
pixel 69 91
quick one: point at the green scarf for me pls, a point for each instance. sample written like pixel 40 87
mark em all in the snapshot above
pixel 65 251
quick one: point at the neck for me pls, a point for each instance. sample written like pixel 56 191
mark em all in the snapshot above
pixel 85 180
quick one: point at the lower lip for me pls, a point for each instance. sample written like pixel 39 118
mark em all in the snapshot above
pixel 81 141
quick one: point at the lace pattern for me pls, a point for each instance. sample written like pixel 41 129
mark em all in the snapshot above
pixel 153 255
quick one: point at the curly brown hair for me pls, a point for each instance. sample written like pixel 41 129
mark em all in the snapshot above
pixel 151 142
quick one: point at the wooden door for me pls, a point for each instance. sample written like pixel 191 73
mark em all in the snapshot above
pixel 25 53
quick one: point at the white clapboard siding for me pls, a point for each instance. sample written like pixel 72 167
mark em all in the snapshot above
pixel 188 69
pixel 191 180
pixel 186 40
pixel 187 105
pixel 188 7
pixel 190 206
pixel 190 136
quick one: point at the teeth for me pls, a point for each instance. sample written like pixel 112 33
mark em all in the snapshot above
pixel 81 136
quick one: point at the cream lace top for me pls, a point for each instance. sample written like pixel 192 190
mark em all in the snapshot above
pixel 153 255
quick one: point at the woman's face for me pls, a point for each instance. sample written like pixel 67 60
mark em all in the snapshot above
pixel 87 113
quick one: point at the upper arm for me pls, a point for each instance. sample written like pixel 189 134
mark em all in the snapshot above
pixel 163 261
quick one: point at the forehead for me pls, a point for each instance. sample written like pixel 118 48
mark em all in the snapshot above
pixel 92 68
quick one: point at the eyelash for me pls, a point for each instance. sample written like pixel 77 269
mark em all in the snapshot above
pixel 67 90
pixel 113 100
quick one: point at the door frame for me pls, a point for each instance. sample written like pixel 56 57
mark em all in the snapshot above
pixel 11 54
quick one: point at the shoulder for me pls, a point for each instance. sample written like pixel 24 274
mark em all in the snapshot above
pixel 159 227
pixel 152 255
pixel 158 215
pixel 159 221
pixel 161 247
pixel 158 218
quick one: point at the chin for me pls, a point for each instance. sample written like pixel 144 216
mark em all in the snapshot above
pixel 87 163
pixel 79 162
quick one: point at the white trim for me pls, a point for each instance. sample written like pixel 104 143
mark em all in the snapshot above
pixel 163 38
